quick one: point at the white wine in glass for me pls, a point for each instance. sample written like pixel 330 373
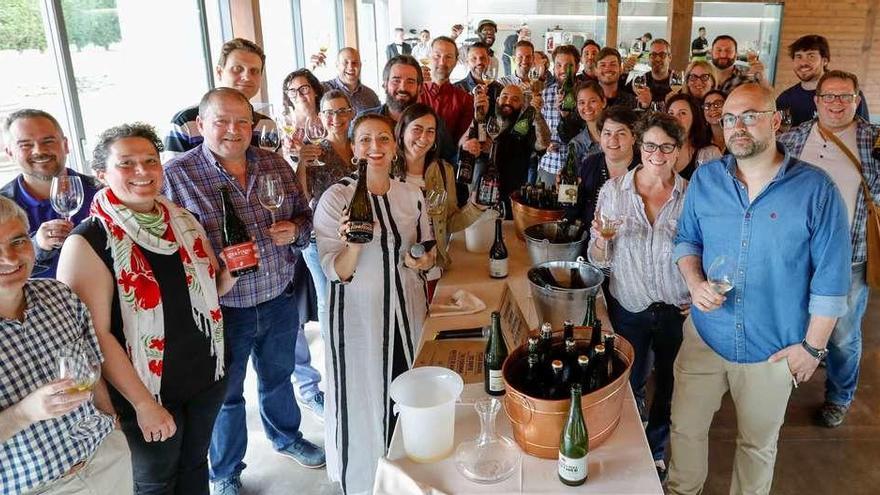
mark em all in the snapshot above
pixel 66 195
pixel 270 192
pixel 83 367
pixel 720 274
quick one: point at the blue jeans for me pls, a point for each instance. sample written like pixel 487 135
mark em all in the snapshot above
pixel 306 376
pixel 845 345
pixel 659 329
pixel 267 333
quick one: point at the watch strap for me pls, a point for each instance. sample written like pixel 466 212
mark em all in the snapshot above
pixel 816 353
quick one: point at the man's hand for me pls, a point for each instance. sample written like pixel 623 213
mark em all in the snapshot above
pixel 644 97
pixel 51 234
pixel 426 73
pixel 537 102
pixel 481 101
pixel 801 364
pixel 704 298
pixel 318 59
pixel 157 424
pixel 472 146
pixel 51 401
pixel 283 232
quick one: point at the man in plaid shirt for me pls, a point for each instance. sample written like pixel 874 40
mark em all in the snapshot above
pixel 564 57
pixel 260 312
pixel 39 318
pixel 837 100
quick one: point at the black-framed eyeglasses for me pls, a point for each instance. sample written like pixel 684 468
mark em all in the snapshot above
pixel 302 90
pixel 713 105
pixel 665 148
pixel 336 113
pixel 658 55
pixel 701 77
pixel 844 98
pixel 728 120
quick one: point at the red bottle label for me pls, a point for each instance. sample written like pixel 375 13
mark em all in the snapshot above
pixel 240 256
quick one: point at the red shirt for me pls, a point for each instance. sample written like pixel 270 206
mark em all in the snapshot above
pixel 452 104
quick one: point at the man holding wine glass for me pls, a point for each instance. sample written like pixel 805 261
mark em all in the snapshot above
pixel 38 413
pixel 34 140
pixel 260 312
pixel 657 83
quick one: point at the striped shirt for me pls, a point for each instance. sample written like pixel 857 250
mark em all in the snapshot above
pixel 185 135
pixel 192 181
pixel 41 453
pixel 641 253
pixel 552 160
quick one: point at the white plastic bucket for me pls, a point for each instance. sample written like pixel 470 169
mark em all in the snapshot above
pixel 425 400
pixel 478 238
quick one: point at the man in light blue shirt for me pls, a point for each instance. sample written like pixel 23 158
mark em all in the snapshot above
pixel 782 225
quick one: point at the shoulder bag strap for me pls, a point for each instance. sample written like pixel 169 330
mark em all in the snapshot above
pixel 829 136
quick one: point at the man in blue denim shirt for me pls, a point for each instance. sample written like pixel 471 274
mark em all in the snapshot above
pixel 782 224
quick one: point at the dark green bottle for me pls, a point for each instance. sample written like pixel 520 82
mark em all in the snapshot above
pixel 569 99
pixel 567 192
pixel 238 247
pixel 496 353
pixel 545 343
pixel 584 367
pixel 360 210
pixel 573 443
pixel 590 318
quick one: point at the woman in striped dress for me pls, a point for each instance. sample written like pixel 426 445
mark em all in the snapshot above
pixel 376 308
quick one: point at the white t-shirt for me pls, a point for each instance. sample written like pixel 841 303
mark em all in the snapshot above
pixel 827 156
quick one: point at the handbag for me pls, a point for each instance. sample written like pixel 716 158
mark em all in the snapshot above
pixel 872 219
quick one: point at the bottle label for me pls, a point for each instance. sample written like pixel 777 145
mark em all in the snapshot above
pixel 481 131
pixel 497 268
pixel 496 383
pixel 358 231
pixel 571 469
pixel 567 194
pixel 240 256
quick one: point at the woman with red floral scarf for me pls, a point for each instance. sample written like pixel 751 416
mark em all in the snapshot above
pixel 146 271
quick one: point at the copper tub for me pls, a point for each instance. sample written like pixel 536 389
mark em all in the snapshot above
pixel 526 216
pixel 537 423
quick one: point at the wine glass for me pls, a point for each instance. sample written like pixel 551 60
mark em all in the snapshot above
pixel 720 274
pixel 534 73
pixel 753 51
pixel 489 75
pixel 786 120
pixel 269 138
pixel 66 195
pixel 676 80
pixel 640 82
pixel 315 134
pixel 83 367
pixel 270 192
pixel 608 226
pixel 436 201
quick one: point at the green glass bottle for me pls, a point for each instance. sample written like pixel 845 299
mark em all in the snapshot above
pixel 567 192
pixel 590 318
pixel 573 443
pixel 360 210
pixel 569 99
pixel 493 359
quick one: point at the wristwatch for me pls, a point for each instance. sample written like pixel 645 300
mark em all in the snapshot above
pixel 816 353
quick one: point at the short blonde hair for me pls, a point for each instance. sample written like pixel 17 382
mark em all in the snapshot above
pixel 706 67
pixel 9 210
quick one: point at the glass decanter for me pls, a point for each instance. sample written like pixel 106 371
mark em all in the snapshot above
pixel 490 457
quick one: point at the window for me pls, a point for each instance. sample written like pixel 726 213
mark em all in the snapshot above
pixel 638 17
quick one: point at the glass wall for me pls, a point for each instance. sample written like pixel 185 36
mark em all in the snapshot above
pixel 637 17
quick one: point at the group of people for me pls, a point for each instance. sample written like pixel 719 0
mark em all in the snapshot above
pixel 142 285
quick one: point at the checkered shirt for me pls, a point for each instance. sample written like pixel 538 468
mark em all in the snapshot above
pixel 41 453
pixel 866 135
pixel 552 160
pixel 193 179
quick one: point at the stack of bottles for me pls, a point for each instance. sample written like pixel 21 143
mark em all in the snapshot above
pixel 565 232
pixel 540 197
pixel 542 276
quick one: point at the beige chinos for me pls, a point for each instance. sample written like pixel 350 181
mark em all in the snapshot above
pixel 760 393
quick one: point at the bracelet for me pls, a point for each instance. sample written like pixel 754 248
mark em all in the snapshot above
pixel 819 354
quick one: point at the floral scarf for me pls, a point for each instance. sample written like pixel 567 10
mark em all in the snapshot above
pixel 140 296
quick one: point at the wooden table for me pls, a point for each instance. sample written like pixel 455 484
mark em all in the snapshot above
pixel 621 465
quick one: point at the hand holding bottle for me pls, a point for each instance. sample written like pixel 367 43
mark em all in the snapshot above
pixel 423 263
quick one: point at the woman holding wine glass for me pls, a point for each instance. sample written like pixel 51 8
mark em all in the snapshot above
pixel 301 92
pixel 416 134
pixel 377 301
pixel 713 103
pixel 637 215
pixel 697 148
pixel 145 269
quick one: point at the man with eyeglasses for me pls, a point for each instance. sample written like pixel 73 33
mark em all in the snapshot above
pixel 348 78
pixel 810 55
pixel 836 100
pixel 658 80
pixel 764 249
pixel 240 67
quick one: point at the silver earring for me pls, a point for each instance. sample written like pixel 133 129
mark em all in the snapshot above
pixel 354 161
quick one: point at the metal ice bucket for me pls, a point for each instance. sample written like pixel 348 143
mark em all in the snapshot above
pixel 557 304
pixel 541 249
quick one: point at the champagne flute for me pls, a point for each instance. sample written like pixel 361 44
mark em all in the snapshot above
pixel 269 139
pixel 83 367
pixel 720 274
pixel 270 192
pixel 316 133
pixel 66 195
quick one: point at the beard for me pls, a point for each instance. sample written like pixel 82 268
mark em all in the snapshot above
pixel 723 63
pixel 399 105
pixel 745 150
pixel 47 173
pixel 508 112
pixel 813 75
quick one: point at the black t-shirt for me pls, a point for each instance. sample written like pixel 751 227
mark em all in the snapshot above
pixel 188 366
pixel 699 46
pixel 659 88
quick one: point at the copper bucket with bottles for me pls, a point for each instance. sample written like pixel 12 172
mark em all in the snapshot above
pixel 538 421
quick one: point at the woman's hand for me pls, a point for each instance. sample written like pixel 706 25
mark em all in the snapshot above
pixel 424 263
pixel 473 201
pixel 309 152
pixel 157 424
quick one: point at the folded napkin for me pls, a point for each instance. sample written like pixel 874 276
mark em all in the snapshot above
pixel 391 479
pixel 462 302
pixel 637 70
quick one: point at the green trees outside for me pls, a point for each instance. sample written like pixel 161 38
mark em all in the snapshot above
pixel 88 22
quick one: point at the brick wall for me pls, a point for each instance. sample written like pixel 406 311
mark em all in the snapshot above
pixel 853 31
